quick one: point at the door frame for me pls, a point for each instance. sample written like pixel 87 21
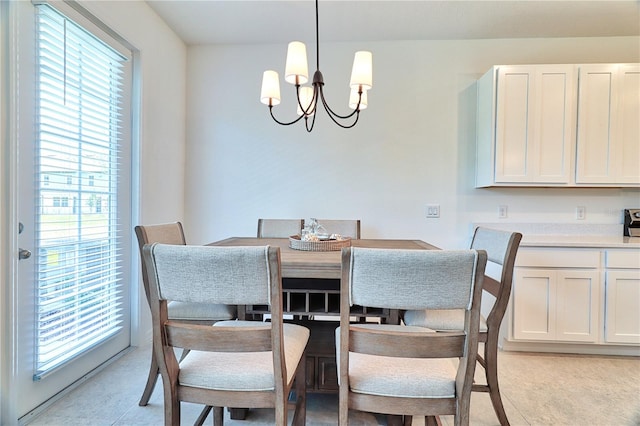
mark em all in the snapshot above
pixel 9 214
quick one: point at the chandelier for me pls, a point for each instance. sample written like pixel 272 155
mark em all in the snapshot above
pixel 297 73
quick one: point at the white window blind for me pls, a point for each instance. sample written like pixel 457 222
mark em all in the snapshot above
pixel 79 259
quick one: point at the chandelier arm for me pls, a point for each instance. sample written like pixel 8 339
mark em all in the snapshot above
pixel 306 123
pixel 334 117
pixel 332 113
pixel 302 108
pixel 346 126
pixel 283 123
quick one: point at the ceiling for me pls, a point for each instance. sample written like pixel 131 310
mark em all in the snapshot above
pixel 268 21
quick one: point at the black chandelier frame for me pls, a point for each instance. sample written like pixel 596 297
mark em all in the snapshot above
pixel 318 93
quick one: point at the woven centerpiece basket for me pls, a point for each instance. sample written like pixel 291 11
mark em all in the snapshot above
pixel 327 245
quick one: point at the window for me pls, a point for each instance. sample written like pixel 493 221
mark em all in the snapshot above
pixel 79 262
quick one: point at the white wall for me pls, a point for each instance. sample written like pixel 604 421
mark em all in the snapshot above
pixel 414 145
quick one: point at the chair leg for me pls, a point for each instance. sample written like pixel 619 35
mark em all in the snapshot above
pixel 300 413
pixel 154 372
pixel 491 374
pixel 218 416
pixel 432 421
pixel 203 416
pixel 171 409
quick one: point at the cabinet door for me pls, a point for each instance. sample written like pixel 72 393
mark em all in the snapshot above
pixel 628 126
pixel 556 304
pixel 608 139
pixel 534 124
pixel 622 311
pixel 534 304
pixel 578 296
pixel 327 373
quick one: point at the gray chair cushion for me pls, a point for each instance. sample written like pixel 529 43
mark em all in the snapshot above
pixel 246 371
pixel 421 274
pixel 218 275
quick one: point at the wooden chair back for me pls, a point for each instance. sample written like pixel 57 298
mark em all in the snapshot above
pixel 410 279
pixel 218 275
pixel 501 248
pixel 165 233
pixel 279 228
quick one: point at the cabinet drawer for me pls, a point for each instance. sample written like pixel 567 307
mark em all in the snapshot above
pixel 623 259
pixel 558 258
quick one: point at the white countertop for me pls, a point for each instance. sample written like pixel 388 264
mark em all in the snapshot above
pixel 569 235
pixel 599 241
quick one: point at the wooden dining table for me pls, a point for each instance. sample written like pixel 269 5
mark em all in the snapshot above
pixel 318 264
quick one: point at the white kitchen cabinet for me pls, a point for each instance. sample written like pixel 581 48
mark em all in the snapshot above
pixel 556 304
pixel 608 134
pixel 560 125
pixel 525 125
pixel 622 309
pixel 575 299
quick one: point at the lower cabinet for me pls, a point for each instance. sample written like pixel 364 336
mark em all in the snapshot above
pixel 576 296
pixel 622 309
pixel 556 305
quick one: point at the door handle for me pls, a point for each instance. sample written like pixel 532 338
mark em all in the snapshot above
pixel 22 253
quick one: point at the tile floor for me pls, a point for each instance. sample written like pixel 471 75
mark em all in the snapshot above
pixel 537 389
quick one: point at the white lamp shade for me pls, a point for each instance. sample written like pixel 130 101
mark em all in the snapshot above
pixel 296 70
pixel 353 100
pixel 306 97
pixel 362 71
pixel 270 93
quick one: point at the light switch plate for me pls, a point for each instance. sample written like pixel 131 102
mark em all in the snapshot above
pixel 433 210
pixel 502 212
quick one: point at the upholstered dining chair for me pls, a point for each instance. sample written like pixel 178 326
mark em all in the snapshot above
pixel 346 228
pixel 232 363
pixel 173 233
pixel 404 370
pixel 279 228
pixel 501 248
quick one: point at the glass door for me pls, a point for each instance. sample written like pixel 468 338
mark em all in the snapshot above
pixel 73 139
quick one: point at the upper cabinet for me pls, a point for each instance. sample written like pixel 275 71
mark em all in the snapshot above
pixel 559 125
pixel 608 144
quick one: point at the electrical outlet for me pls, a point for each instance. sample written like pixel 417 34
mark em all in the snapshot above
pixel 433 210
pixel 581 212
pixel 502 212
